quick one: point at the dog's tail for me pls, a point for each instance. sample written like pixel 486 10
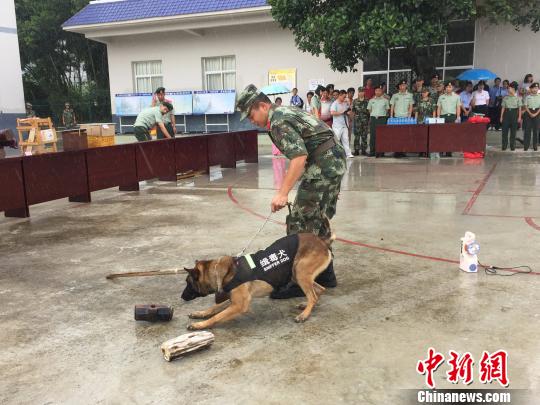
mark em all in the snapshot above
pixel 332 237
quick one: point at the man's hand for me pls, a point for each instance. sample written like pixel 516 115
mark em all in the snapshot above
pixel 278 202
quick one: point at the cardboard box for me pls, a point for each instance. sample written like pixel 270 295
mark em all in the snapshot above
pixel 107 129
pixel 99 129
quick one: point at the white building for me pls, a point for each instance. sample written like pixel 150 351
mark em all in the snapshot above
pixel 220 44
pixel 11 85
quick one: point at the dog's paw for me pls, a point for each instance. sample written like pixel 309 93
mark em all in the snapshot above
pixel 301 306
pixel 196 315
pixel 197 326
pixel 301 318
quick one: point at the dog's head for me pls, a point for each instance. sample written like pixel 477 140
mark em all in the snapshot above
pixel 207 277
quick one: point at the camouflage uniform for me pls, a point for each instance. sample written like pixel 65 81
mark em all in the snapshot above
pixel 425 109
pixel 69 118
pixel 297 133
pixel 29 112
pixel 361 124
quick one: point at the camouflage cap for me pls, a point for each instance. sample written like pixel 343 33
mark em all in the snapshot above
pixel 245 100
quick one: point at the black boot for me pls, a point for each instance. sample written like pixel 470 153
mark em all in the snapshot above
pixel 291 290
pixel 327 279
pixel 356 152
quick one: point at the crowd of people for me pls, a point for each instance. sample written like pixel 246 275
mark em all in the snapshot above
pixel 355 113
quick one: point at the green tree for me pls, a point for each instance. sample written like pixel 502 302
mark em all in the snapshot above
pixel 347 31
pixel 60 66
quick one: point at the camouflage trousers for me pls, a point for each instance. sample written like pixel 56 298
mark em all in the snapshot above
pixel 315 199
pixel 361 130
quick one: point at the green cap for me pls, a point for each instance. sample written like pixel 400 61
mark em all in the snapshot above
pixel 245 101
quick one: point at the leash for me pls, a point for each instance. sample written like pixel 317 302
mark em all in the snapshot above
pixel 256 234
pixel 260 230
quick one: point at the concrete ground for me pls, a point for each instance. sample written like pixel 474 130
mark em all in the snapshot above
pixel 68 335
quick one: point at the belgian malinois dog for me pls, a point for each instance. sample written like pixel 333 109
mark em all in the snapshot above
pixel 244 282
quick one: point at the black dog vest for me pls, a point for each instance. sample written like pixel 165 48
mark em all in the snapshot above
pixel 273 264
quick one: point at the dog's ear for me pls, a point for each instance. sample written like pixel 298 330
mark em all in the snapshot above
pixel 193 273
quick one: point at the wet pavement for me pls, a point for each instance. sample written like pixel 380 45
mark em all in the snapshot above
pixel 68 334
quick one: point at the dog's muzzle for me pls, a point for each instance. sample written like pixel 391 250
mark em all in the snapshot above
pixel 191 293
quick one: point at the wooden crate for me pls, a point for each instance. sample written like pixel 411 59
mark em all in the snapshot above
pixel 41 134
pixel 96 141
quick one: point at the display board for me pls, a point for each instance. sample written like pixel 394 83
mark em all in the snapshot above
pixel 286 77
pixel 182 102
pixel 131 104
pixel 214 102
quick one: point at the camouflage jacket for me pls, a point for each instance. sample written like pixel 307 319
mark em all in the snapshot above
pixel 297 133
pixel 425 109
pixel 359 108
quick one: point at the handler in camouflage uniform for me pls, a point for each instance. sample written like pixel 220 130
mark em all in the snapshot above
pixel 361 122
pixel 316 159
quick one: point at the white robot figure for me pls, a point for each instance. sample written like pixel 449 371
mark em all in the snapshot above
pixel 468 258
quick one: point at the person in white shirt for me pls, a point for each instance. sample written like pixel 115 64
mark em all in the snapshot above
pixel 307 106
pixel 339 110
pixel 524 88
pixel 480 100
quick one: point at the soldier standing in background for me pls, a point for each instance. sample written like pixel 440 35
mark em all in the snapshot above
pixel 531 115
pixel 417 90
pixel 315 158
pixel 378 108
pixel 68 116
pixel 29 112
pixel 510 116
pixel 361 123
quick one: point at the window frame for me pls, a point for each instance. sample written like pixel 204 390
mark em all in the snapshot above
pixel 222 72
pixel 150 76
pixel 442 68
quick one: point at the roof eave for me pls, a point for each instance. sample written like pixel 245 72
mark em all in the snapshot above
pixel 174 23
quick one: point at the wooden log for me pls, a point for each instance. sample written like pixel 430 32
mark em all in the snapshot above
pixel 187 343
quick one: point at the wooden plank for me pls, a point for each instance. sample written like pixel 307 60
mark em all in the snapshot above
pixel 56 175
pixel 112 166
pixel 463 137
pixel 12 193
pixel 187 343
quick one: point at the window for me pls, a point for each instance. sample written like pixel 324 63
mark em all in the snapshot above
pixel 451 56
pixel 147 76
pixel 459 55
pixel 219 73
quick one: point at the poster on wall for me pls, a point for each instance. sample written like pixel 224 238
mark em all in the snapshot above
pixel 286 77
pixel 214 102
pixel 314 83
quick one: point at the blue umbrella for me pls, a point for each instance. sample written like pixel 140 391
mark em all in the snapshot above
pixel 477 74
pixel 274 89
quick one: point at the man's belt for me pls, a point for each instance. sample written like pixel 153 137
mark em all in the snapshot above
pixel 323 147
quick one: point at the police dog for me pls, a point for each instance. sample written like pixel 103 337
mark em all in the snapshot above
pixel 210 276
